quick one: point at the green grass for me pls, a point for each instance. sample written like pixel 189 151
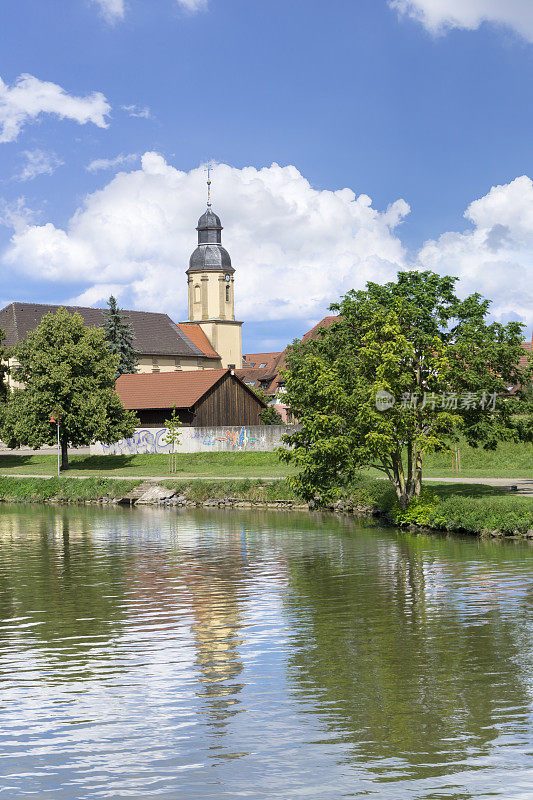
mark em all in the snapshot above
pixel 474 508
pixel 24 490
pixel 508 461
pixel 243 490
pixel 203 465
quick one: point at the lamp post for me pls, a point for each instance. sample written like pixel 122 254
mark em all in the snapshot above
pixel 56 420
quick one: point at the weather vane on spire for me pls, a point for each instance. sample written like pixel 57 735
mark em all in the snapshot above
pixel 208 170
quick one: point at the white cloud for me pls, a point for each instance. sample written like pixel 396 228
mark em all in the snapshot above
pixel 439 15
pixel 142 112
pixel 29 97
pixel 295 249
pixel 38 163
pixel 16 214
pixel 495 257
pixel 96 294
pixel 111 10
pixel 110 163
pixel 193 5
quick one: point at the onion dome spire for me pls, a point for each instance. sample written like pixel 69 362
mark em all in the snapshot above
pixel 210 254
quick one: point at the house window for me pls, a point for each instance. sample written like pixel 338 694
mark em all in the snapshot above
pixel 177 364
pixel 262 365
pixel 227 294
pixel 155 365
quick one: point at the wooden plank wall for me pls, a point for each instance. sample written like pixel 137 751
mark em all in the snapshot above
pixel 227 403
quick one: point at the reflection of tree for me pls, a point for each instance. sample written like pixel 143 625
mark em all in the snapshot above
pixel 52 565
pixel 404 676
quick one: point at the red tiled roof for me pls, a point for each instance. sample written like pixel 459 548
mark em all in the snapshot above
pixel 281 364
pixel 198 337
pixel 253 360
pixel 528 347
pixel 324 323
pixel 163 389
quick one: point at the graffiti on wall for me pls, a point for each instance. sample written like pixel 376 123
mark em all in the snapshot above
pixel 236 438
pixel 154 441
pixel 142 441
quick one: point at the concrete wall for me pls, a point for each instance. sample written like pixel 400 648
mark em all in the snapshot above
pixel 259 438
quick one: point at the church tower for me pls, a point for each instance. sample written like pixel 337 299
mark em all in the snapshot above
pixel 211 290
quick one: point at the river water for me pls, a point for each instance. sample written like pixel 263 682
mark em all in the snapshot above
pixel 185 656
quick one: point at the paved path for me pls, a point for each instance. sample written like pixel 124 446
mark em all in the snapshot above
pixel 523 486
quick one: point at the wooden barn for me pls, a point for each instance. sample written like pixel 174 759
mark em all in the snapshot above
pixel 205 398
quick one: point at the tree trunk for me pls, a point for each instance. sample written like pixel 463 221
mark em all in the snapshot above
pixel 409 467
pixel 64 453
pixel 418 475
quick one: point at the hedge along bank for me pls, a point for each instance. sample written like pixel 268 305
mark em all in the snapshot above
pixel 258 438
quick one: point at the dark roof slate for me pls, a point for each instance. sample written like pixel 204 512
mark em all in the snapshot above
pixel 155 333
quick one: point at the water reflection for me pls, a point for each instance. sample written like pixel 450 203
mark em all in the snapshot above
pixel 419 661
pixel 178 655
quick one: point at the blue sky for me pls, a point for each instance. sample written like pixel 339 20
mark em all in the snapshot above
pixel 420 105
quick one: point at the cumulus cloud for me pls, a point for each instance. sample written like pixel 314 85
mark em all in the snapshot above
pixel 495 256
pixel 439 15
pixel 110 163
pixel 295 248
pixel 38 162
pixel 30 97
pixel 111 10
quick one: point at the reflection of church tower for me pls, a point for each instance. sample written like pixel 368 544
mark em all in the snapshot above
pixel 211 290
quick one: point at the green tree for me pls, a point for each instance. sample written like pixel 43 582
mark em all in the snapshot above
pixel 406 369
pixel 173 426
pixel 120 336
pixel 67 367
pixel 269 415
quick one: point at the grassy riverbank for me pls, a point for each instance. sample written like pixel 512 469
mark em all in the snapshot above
pixel 452 507
pixel 473 508
pixel 24 490
pixel 508 461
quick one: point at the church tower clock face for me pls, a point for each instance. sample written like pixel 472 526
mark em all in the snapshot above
pixel 228 277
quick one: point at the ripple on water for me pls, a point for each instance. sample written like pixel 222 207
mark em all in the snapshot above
pixel 188 656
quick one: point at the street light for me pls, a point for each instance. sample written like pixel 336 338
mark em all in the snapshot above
pixel 56 420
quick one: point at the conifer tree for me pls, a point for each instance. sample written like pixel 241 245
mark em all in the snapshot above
pixel 4 369
pixel 120 336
